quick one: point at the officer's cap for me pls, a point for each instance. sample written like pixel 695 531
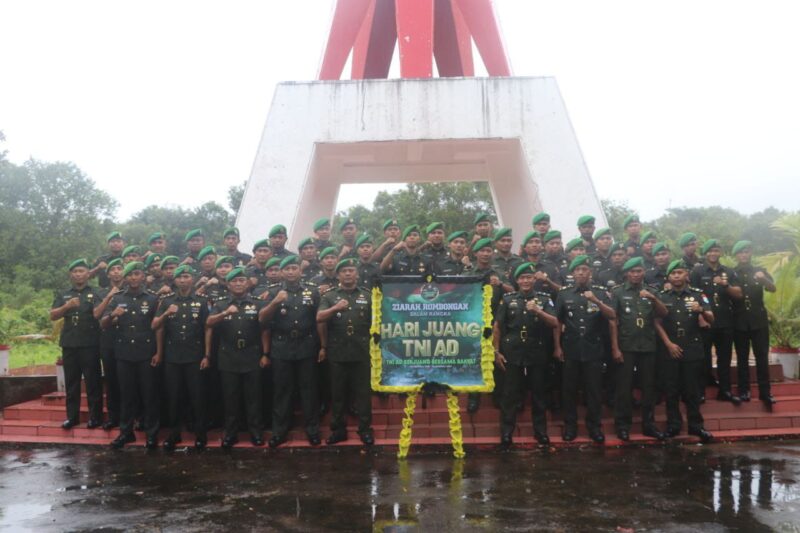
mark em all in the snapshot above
pixel 552 234
pixel 78 263
pixel 237 272
pixel 208 250
pixel 277 229
pixel 483 243
pixel 540 217
pixel 634 262
pixel 741 245
pixel 133 266
pixel 524 268
pixel 578 261
pixel 197 232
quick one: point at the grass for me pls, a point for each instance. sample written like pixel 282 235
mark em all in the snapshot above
pixel 33 353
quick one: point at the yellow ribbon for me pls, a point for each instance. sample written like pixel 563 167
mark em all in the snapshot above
pixel 456 435
pixel 408 422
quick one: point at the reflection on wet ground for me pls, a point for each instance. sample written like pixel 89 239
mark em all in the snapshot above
pixel 744 487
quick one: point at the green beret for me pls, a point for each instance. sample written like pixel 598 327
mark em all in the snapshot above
pixel 541 217
pixel 389 223
pixel 433 226
pixel 646 236
pixel 741 245
pixel 483 243
pixel 347 262
pixel 197 232
pixel 346 222
pixel 709 244
pixel 290 260
pixel 277 229
pixel 132 249
pixel 530 235
pixel 230 231
pixel 686 239
pixel 550 235
pixel 113 235
pixel 131 267
pixel 237 272
pixel 364 238
pixel 618 247
pixel 602 231
pixel 524 268
pixel 571 245
pixel 152 258
pixel 409 229
pixel 630 219
pixel 633 263
pixel 78 263
pixel 321 223
pixel 113 263
pixel 263 243
pixel 208 250
pixel 677 264
pixel 502 232
pixel 481 217
pixel 457 235
pixel 586 219
pixel 659 246
pixel 170 260
pixel 154 236
pixel 225 259
pixel 308 241
pixel 272 262
pixel 330 250
pixel 578 261
pixel 183 269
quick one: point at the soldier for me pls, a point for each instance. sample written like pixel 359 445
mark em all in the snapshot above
pixel 206 261
pixel 646 244
pixel 180 334
pixel 322 233
pixel 291 316
pixel 721 285
pixel 504 261
pixel 348 229
pixel 434 248
pixel 523 342
pixel 656 276
pixel 634 346
pixel 613 275
pixel 130 254
pixel 115 245
pixel 405 258
pixel 541 223
pixel 752 324
pixel 157 244
pixel 195 241
pixel 546 276
pixel 483 227
pixel 165 285
pixel 277 241
pixel 453 264
pixel 80 337
pixel 309 262
pixel 131 313
pixel 216 288
pixel 343 322
pixel 583 313
pixel 107 343
pixel 327 261
pixel 242 353
pixel 603 242
pixel 256 270
pixel 586 229
pixel 230 238
pixel 683 361
pixel 152 264
pixel 369 273
pixel 573 249
pixel 633 229
pixel 553 250
pixel 688 244
pixel 391 234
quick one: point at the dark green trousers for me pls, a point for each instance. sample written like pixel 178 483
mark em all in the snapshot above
pixel 350 380
pixel 518 379
pixel 645 363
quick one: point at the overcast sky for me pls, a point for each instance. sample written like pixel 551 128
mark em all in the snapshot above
pixel 679 103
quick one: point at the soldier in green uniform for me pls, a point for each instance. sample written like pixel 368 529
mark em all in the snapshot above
pixel 586 229
pixel 634 346
pixel 483 227
pixel 309 262
pixel 343 321
pixel 242 353
pixel 573 249
pixel 504 260
pixel 291 317
pixel 131 253
pixel 688 244
pixel 216 288
pixel 130 313
pixel 541 223
pixel 523 343
pixel 613 275
pixel 433 248
pixel 348 230
pixel 656 275
pixel 165 285
pixel 322 233
pixel 454 263
pixel 195 241
pixel 633 229
pixel 79 341
pixel 156 244
pixel 369 273
pixel 107 342
pixel 583 313
pixel 277 241
pixel 230 238
pixel 115 245
pixel 603 242
pixel 646 244
pixel 327 277
pixel 751 324
pixel 206 260
pixel 547 278
pixel 720 284
pixel 152 264
pixel 553 249
pixel 683 361
pixel 180 334
pixel 391 234
pixel 256 270
pixel 405 258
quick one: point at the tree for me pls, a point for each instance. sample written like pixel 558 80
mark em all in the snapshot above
pixel 616 212
pixel 235 195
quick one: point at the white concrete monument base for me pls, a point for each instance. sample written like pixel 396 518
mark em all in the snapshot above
pixel 511 132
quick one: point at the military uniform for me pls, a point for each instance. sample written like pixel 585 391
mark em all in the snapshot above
pixel 348 354
pixel 109 360
pixel 506 265
pixel 600 263
pixel 321 245
pixel 294 353
pixel 240 258
pixel 79 341
pixel 311 271
pixel 102 277
pixel 435 253
pixel 656 277
pixel 260 274
pixel 323 279
pixel 184 347
pixel 633 248
pixel 448 266
pixel 239 354
pixel 217 291
pixel 527 344
pixel 751 328
pixel 369 274
pixel 405 264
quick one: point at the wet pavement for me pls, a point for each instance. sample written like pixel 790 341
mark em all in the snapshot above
pixel 737 487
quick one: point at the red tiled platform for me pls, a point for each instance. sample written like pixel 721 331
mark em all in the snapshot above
pixel 39 421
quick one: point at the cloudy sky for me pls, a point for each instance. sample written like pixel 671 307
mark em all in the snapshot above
pixel 679 103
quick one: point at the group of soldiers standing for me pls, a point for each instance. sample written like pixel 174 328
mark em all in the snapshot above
pixel 218 337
